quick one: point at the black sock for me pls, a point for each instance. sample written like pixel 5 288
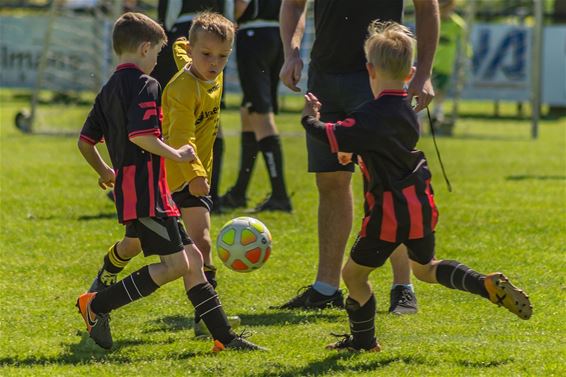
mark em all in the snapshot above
pixel 362 322
pixel 217 153
pixel 248 155
pixel 210 274
pixel 455 275
pixel 270 147
pixel 113 264
pixel 208 307
pixel 133 287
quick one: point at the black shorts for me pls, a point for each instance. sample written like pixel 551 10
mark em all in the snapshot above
pixel 159 236
pixel 184 199
pixel 372 252
pixel 340 94
pixel 259 53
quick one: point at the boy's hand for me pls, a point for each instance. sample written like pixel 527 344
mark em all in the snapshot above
pixel 199 186
pixel 312 106
pixel 344 158
pixel 186 154
pixel 107 179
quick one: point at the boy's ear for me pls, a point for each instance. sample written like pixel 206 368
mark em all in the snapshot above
pixel 144 48
pixel 410 75
pixel 371 70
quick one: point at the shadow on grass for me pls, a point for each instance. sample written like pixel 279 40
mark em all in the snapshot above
pixel 86 352
pixel 179 322
pixel 170 323
pixel 483 364
pixel 288 317
pixel 98 216
pixel 484 137
pixel 525 177
pixel 338 363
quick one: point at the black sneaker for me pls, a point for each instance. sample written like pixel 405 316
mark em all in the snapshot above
pixel 239 343
pixel 232 200
pixel 110 195
pixel 98 283
pixel 403 301
pixel 97 325
pixel 309 298
pixel 347 344
pixel 273 204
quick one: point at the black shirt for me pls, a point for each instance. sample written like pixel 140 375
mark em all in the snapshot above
pixel 129 105
pixel 341 29
pixel 383 133
pixel 190 6
pixel 261 10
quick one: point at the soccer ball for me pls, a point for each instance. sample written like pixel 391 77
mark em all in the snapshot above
pixel 244 244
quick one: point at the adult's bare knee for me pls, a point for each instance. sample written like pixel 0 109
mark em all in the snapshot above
pixel 334 183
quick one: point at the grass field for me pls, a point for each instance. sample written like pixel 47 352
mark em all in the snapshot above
pixel 507 212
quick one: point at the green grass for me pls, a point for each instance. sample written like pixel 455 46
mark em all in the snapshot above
pixel 507 212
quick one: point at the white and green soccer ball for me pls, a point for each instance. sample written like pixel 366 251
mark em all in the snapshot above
pixel 244 244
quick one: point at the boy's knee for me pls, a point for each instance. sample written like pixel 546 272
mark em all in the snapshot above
pixel 194 256
pixel 423 272
pixel 129 247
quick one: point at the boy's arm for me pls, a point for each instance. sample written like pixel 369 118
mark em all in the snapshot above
pixel 180 53
pixel 347 135
pixel 153 144
pixel 91 155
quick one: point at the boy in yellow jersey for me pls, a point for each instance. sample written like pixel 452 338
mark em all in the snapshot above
pixel 191 114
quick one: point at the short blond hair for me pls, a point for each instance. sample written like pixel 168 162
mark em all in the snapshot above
pixel 132 29
pixel 389 47
pixel 214 23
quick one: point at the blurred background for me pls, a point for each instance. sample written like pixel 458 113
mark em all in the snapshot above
pixel 501 51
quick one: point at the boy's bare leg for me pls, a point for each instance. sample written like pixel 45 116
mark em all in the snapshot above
pixel 197 224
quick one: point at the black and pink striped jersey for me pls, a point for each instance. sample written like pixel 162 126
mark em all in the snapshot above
pixel 129 105
pixel 383 133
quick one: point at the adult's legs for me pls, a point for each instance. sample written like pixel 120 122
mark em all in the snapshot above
pixel 335 214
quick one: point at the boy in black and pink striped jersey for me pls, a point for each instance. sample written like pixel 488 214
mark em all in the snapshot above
pixel 381 136
pixel 127 116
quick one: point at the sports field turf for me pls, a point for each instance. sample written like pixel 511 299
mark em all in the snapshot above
pixel 507 212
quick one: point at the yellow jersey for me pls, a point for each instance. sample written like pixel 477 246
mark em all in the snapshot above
pixel 191 115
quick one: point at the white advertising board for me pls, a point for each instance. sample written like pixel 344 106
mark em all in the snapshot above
pixel 79 54
pixel 501 63
pixel 554 65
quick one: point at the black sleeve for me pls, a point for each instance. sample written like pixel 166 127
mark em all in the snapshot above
pixel 144 115
pixel 349 135
pixel 92 131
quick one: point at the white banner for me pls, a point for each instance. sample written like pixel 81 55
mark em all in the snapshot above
pixel 554 65
pixel 501 63
pixel 78 59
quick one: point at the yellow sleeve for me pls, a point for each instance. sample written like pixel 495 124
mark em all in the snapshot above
pixel 182 132
pixel 180 53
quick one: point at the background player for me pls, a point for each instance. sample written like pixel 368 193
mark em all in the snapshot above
pixel 260 56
